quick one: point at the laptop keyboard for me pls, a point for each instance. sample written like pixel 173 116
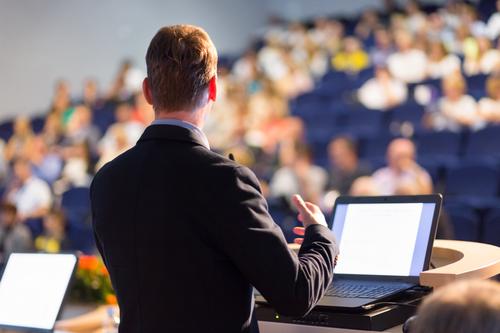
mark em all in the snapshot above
pixel 351 290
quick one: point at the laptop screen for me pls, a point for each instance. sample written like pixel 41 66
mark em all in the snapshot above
pixel 32 289
pixel 383 238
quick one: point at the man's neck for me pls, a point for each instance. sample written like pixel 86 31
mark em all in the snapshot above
pixel 193 117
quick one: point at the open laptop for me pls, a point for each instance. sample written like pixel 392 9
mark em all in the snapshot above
pixel 385 243
pixel 32 290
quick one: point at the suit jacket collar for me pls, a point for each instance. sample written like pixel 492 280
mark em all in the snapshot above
pixel 173 133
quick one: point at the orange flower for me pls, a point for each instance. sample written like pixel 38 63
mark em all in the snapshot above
pixel 111 299
pixel 88 263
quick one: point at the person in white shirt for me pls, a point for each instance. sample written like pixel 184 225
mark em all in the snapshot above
pixel 383 91
pixel 402 171
pixel 440 63
pixel 481 58
pixel 298 174
pixel 408 64
pixel 493 25
pixel 456 108
pixel 489 107
pixel 31 195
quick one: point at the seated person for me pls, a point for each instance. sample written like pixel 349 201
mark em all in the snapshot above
pixel 456 108
pixel 489 107
pixel 30 194
pixel 408 64
pixel 18 143
pixel 345 166
pixel 364 186
pixel 383 91
pixel 297 174
pixel 53 239
pixel 402 171
pixel 352 57
pixel 14 236
pixel 440 63
pixel 480 57
pixel 470 306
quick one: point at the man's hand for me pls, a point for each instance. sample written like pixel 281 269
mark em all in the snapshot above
pixel 309 214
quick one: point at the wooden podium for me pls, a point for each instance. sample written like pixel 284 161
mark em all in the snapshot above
pixel 453 260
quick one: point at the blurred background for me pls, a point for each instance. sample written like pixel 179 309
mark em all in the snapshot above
pixel 318 97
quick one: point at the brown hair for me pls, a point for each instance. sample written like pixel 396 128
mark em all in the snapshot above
pixel 493 86
pixel 181 60
pixel 462 307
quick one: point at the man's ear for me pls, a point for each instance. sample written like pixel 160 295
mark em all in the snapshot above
pixel 146 90
pixel 212 89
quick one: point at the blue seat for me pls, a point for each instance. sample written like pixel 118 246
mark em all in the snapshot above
pixel 284 218
pixel 373 149
pixel 104 117
pixel 473 184
pixel 441 147
pixel 76 206
pixel 409 112
pixel 484 145
pixel 465 221
pixel 363 122
pixel 491 227
pixel 37 124
pixel 6 130
pixel 35 226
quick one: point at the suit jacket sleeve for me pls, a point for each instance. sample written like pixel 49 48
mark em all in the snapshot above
pixel 244 231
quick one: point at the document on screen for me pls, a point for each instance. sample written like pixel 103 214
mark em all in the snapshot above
pixel 379 239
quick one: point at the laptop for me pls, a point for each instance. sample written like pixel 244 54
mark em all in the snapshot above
pixel 385 243
pixel 32 290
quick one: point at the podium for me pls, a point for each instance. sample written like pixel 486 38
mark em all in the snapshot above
pixel 453 260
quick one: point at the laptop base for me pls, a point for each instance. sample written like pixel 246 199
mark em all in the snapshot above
pixel 377 319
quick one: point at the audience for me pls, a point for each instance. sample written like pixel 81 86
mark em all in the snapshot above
pixel 489 107
pixel 403 48
pixel 408 64
pixel 402 175
pixel 383 91
pixel 456 108
pixel 345 166
pixel 53 239
pixel 14 236
pixel 461 307
pixel 31 195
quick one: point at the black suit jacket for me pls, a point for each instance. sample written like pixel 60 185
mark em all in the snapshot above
pixel 185 234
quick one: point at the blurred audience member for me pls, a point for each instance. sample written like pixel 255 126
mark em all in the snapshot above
pixel 3 163
pixel 345 165
pixel 456 108
pixel 53 239
pixel 363 187
pixel 61 100
pixel 128 81
pixel 383 91
pixel 470 306
pixel 46 165
pixel 31 195
pixel 352 58
pixel 298 175
pixel 408 64
pixel 14 236
pixel 80 129
pixel 52 133
pixel 91 97
pixel 440 63
pixel 383 47
pixel 132 129
pixel 19 142
pixel 489 107
pixel 402 171
pixel 481 58
pixel 494 23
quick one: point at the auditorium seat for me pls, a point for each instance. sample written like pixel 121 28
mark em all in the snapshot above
pixel 6 130
pixel 283 217
pixel 491 227
pixel 35 226
pixel 76 206
pixel 372 149
pixel 104 117
pixel 465 221
pixel 37 124
pixel 363 122
pixel 409 112
pixel 442 148
pixel 484 145
pixel 475 184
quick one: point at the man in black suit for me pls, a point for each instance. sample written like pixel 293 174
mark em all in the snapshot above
pixel 185 232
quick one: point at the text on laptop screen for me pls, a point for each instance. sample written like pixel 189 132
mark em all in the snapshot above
pixel 32 289
pixel 382 238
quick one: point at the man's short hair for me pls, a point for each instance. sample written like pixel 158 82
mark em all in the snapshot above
pixel 181 60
